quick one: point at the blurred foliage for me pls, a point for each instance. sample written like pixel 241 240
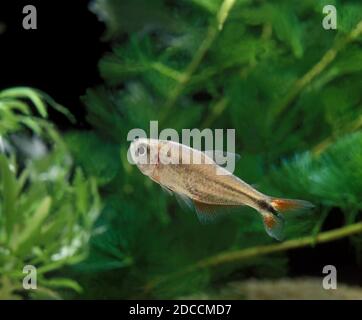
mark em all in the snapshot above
pixel 47 208
pixel 292 91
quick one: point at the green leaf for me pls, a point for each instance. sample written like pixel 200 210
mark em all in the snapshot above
pixel 287 27
pixel 22 92
pixel 62 283
pixel 33 225
pixel 98 157
pixel 9 194
pixel 211 6
pixel 348 16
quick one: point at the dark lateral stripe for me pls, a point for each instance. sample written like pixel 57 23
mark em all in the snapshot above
pixel 264 205
pixel 238 191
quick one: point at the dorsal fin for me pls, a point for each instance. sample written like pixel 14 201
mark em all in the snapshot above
pixel 217 155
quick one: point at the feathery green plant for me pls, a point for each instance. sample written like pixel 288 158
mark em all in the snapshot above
pixel 268 69
pixel 46 210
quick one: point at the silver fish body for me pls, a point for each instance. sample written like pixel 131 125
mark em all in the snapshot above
pixel 195 176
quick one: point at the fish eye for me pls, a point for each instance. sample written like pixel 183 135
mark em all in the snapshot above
pixel 141 150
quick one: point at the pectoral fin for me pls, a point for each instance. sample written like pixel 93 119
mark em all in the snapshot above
pixel 184 201
pixel 166 190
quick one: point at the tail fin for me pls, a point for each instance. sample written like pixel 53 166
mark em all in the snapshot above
pixel 274 225
pixel 284 205
pixel 272 214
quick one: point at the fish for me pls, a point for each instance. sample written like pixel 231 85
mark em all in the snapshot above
pixel 201 184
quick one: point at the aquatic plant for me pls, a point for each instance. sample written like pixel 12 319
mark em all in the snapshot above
pixel 290 88
pixel 47 207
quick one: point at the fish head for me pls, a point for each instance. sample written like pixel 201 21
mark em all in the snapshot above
pixel 145 154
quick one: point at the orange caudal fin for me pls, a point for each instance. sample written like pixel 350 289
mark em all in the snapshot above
pixel 285 205
pixel 272 213
pixel 274 225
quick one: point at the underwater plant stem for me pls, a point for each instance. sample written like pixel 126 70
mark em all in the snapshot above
pixel 216 110
pixel 212 33
pixel 318 68
pixel 195 62
pixel 349 128
pixel 244 254
pixel 323 237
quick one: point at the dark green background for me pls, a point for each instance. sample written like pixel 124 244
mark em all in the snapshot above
pixel 250 78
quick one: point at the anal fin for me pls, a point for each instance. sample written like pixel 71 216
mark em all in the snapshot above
pixel 207 213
